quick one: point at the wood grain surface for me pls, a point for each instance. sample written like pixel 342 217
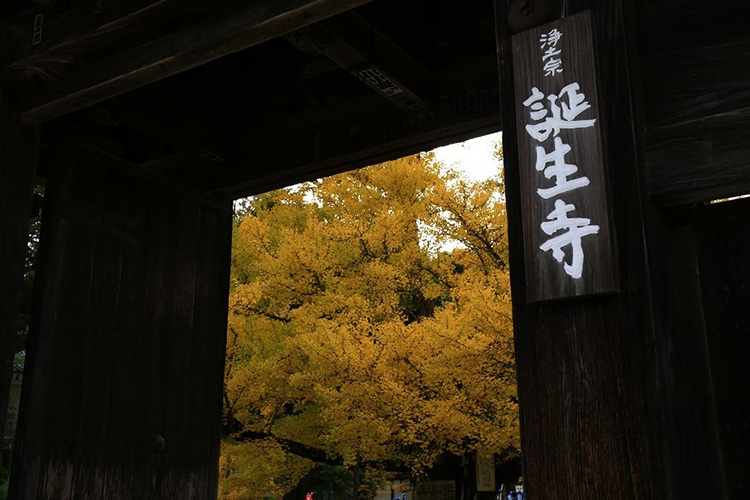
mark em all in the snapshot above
pixel 546 278
pixel 18 152
pixel 588 378
pixel 123 396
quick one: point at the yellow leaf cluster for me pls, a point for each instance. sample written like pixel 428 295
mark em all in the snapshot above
pixel 370 317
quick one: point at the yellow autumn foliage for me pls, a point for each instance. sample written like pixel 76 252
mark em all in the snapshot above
pixel 370 318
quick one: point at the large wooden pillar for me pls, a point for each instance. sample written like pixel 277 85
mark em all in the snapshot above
pixel 122 398
pixel 18 148
pixel 588 375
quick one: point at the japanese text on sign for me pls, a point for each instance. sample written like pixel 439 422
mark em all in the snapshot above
pixel 563 112
pixel 551 56
pixel 567 229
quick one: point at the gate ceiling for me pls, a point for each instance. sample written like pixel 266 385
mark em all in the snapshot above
pixel 388 78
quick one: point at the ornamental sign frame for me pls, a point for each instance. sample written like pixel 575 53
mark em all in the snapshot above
pixel 568 238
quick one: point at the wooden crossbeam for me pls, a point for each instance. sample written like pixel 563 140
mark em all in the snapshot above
pixel 173 124
pixel 699 160
pixel 355 45
pixel 350 134
pixel 48 28
pixel 227 29
pixel 239 185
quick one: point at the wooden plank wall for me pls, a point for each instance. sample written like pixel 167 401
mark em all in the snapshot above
pixel 352 135
pixel 588 377
pixel 702 346
pixel 18 145
pixel 695 71
pixel 123 396
pixel 146 41
pixel 692 445
pixel 723 248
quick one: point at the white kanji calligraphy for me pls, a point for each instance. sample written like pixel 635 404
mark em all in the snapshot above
pixel 575 229
pixel 563 114
pixel 559 170
pixel 550 52
pixel 550 39
pixel 538 111
pixel 552 63
pixel 552 67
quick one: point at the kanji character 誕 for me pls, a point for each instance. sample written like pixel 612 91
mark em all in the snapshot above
pixel 563 115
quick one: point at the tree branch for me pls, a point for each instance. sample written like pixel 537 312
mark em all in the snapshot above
pixel 316 454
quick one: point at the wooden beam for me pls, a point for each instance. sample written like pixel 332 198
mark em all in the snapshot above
pixel 687 77
pixel 378 153
pixel 45 28
pixel 151 174
pixel 355 45
pixel 696 100
pixel 691 432
pixel 699 160
pixel 351 134
pixel 26 295
pixel 723 249
pixel 127 341
pixel 226 30
pixel 170 122
pixel 588 375
pixel 173 165
pixel 686 85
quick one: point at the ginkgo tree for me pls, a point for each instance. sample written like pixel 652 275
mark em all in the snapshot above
pixel 369 327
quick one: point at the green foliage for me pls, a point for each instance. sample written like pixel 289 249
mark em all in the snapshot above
pixel 35 225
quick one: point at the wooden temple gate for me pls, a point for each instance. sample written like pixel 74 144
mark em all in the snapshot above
pixel 145 118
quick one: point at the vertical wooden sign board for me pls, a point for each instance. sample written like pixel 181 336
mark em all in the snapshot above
pixel 485 472
pixel 566 220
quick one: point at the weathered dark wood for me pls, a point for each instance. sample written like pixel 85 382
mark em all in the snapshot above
pixel 140 172
pixel 227 29
pixel 699 160
pixel 723 245
pixel 692 441
pixel 362 49
pixel 696 82
pixel 546 277
pixel 122 399
pixel 26 294
pixel 39 359
pixel 695 59
pixel 367 156
pixel 62 26
pixel 352 134
pixel 589 390
pixel 695 72
pixel 184 129
pixel 68 37
pixel 209 299
pixel 18 143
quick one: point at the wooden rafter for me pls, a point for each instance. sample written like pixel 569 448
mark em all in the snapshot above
pixel 230 27
pixel 173 124
pixel 355 45
pixel 51 31
pixel 351 134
